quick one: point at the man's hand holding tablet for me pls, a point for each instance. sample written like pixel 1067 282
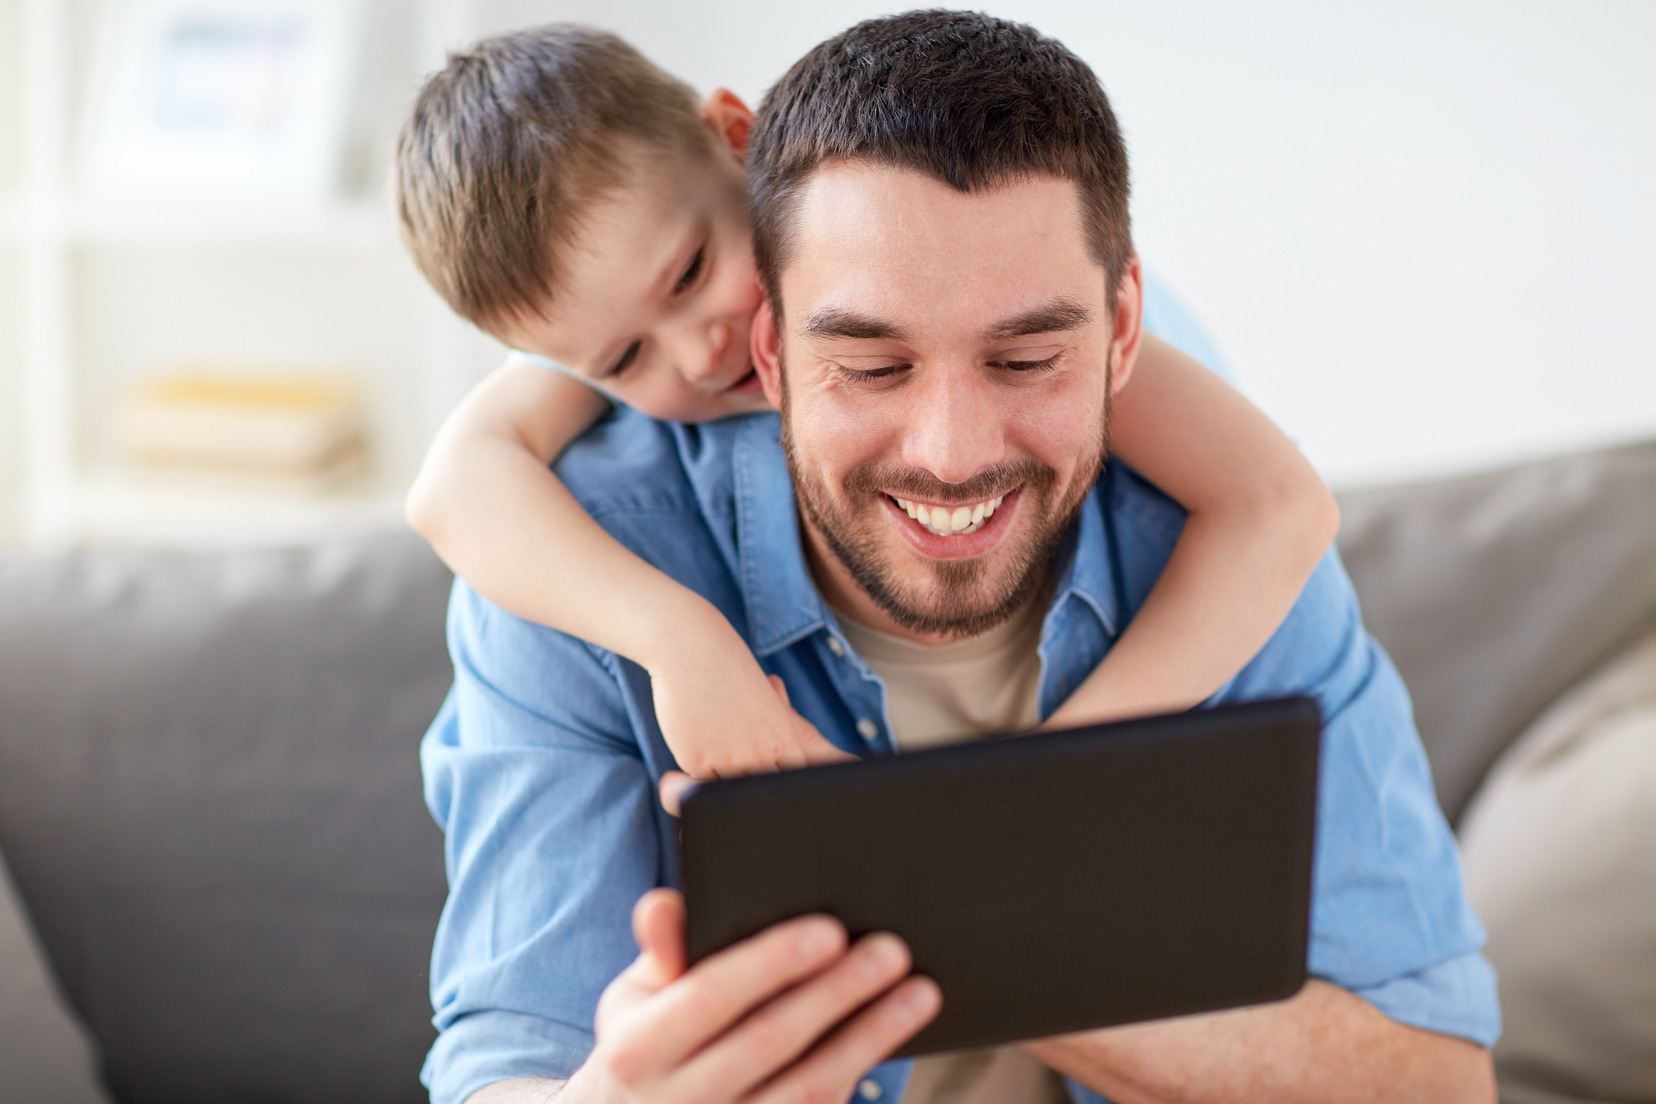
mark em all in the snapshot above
pixel 797 1012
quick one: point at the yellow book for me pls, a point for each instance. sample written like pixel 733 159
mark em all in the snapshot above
pixel 259 424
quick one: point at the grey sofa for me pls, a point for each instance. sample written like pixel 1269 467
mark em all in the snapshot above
pixel 209 786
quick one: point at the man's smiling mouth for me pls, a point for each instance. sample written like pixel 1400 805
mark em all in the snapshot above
pixel 950 521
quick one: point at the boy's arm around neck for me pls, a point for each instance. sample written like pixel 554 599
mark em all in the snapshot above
pixel 505 523
pixel 497 516
pixel 1259 520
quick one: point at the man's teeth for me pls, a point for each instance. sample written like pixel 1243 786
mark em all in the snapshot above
pixel 950 523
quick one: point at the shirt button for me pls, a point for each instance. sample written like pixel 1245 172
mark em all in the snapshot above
pixel 869 1089
pixel 868 730
pixel 835 646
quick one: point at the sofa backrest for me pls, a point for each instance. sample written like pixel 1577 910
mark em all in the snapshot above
pixel 1493 592
pixel 210 800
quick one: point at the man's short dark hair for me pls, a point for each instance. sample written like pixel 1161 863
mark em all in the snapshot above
pixel 510 144
pixel 974 101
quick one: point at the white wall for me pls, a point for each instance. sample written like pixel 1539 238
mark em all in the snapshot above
pixel 1423 232
pixel 11 277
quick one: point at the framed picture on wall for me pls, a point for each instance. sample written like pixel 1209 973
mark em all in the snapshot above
pixel 221 98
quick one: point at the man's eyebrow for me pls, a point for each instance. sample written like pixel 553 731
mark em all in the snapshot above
pixel 835 322
pixel 1060 314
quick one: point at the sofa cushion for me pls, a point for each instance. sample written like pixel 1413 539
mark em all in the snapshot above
pixel 210 798
pixel 1493 592
pixel 44 1052
pixel 1560 862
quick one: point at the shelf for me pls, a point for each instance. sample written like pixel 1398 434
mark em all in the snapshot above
pixel 125 510
pixel 66 247
pixel 354 224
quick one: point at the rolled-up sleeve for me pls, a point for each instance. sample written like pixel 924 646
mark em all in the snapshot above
pixel 1389 918
pixel 1454 997
pixel 532 752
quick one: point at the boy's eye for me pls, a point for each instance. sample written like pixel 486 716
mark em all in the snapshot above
pixel 626 358
pixel 690 273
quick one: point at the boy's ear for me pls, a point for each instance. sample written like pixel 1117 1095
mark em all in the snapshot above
pixel 730 118
pixel 765 346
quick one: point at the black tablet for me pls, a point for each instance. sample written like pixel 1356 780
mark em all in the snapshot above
pixel 1049 883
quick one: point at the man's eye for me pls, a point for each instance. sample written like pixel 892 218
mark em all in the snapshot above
pixel 1029 365
pixel 690 273
pixel 626 359
pixel 868 375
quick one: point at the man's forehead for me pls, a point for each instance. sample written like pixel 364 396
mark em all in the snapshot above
pixel 866 231
pixel 844 193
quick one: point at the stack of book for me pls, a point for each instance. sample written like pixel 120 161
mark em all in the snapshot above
pixel 302 433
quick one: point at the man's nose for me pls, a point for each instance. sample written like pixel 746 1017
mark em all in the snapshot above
pixel 955 423
pixel 699 350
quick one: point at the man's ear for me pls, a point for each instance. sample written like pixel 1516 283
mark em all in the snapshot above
pixel 765 346
pixel 730 118
pixel 1129 323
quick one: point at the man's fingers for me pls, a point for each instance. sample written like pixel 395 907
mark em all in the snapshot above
pixel 778 1033
pixel 674 785
pixel 658 926
pixel 830 1070
pixel 703 1004
pixel 780 687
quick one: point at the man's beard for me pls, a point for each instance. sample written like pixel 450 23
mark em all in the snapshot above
pixel 959 599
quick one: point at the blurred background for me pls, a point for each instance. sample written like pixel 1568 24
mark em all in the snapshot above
pixel 1421 234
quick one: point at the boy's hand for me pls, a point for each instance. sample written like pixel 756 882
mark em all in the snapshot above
pixel 721 715
pixel 675 783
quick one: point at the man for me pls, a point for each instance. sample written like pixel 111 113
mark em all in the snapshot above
pixel 941 224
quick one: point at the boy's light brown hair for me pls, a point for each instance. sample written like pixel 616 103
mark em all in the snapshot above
pixel 510 142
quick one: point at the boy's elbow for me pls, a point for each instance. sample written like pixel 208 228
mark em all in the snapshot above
pixel 1308 513
pixel 422 510
pixel 1324 518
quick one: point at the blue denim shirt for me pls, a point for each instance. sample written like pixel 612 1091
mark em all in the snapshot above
pixel 542 765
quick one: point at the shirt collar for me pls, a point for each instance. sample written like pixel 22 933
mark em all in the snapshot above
pixel 783 604
pixel 781 598
pixel 1088 559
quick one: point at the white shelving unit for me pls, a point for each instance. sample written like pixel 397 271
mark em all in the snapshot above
pixel 108 291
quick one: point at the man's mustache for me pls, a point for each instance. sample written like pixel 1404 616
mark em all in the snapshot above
pixel 917 483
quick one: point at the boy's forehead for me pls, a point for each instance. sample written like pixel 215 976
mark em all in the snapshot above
pixel 625 239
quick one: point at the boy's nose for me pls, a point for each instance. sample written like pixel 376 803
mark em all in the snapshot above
pixel 702 354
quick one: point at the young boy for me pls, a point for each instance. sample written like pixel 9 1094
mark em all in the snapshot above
pixel 571 199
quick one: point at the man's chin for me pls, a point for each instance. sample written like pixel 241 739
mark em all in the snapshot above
pixel 955 607
pixel 945 597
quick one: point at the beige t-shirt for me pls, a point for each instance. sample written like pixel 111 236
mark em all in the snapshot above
pixel 939 694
